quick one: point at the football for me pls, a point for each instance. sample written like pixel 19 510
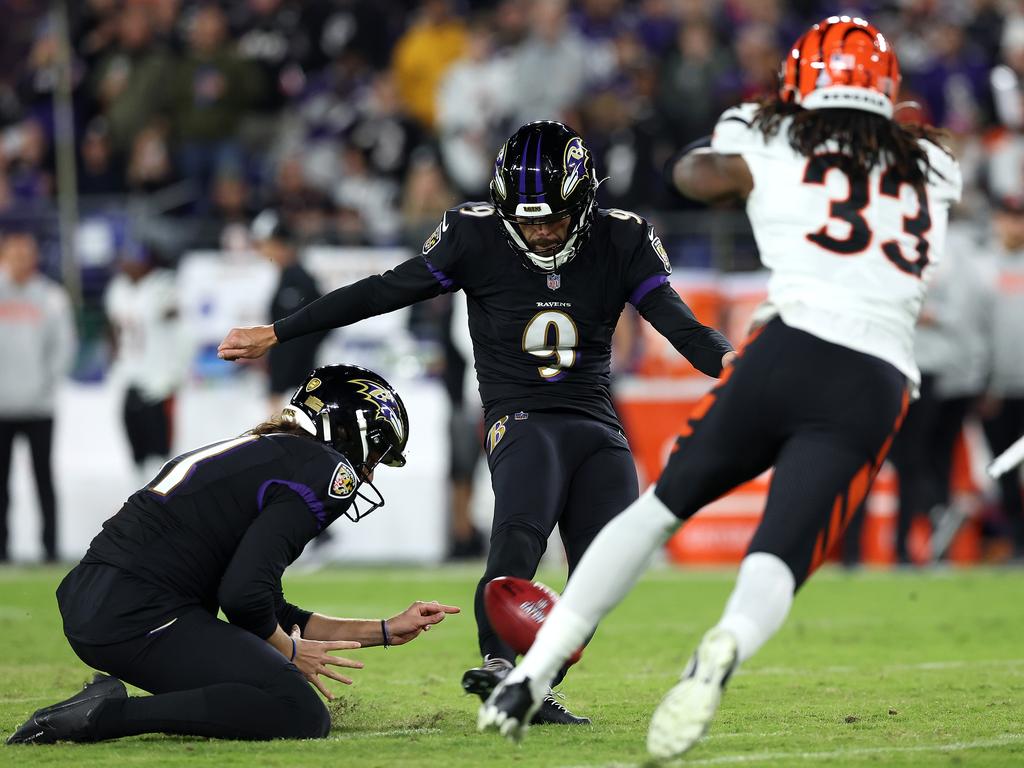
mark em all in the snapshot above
pixel 517 607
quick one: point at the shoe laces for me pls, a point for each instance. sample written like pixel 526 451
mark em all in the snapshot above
pixel 554 698
pixel 496 663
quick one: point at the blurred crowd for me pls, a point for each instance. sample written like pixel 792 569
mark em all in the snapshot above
pixel 361 119
pixel 357 122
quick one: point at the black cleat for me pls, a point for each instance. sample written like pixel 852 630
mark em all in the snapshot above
pixel 71 719
pixel 480 681
pixel 553 712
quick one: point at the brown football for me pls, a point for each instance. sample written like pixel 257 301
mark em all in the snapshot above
pixel 516 609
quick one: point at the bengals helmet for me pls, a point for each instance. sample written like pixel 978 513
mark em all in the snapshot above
pixel 842 62
pixel 360 415
pixel 544 173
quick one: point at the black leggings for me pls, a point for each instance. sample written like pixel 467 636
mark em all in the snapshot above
pixel 209 678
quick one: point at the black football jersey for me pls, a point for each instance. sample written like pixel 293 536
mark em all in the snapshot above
pixel 543 341
pixel 540 341
pixel 219 525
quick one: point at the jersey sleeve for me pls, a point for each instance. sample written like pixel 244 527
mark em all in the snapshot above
pixel 945 181
pixel 648 265
pixel 734 132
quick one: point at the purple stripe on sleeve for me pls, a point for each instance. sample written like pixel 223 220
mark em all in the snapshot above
pixel 522 168
pixel 646 287
pixel 446 282
pixel 315 505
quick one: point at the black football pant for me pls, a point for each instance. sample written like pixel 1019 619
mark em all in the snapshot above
pixel 39 433
pixel 148 425
pixel 823 415
pixel 1001 431
pixel 209 678
pixel 548 468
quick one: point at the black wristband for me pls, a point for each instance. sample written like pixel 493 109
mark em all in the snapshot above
pixel 384 632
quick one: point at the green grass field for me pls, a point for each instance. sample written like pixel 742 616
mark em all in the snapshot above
pixel 879 669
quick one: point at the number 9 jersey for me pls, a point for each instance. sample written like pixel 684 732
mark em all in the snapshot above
pixel 850 257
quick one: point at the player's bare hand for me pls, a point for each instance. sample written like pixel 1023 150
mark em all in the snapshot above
pixel 417 618
pixel 313 658
pixel 247 343
pixel 728 358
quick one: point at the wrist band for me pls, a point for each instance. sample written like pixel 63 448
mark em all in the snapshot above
pixel 384 632
pixel 293 650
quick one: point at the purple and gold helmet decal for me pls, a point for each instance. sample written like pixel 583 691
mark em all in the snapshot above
pixel 384 400
pixel 574 164
pixel 499 180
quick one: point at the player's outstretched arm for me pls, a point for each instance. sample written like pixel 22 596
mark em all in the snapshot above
pixel 406 626
pixel 247 343
pixel 709 177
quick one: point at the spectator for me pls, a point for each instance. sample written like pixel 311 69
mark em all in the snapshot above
pixel 37 343
pixel 150 359
pixel 423 55
pixel 270 35
pixel 208 93
pixel 694 83
pixel 99 171
pixel 553 46
pixel 374 197
pixel 129 79
pixel 472 104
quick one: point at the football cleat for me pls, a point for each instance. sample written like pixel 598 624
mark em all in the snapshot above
pixel 509 709
pixel 71 719
pixel 481 681
pixel 685 713
pixel 553 712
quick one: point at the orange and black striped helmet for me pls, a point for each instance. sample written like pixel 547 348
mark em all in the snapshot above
pixel 842 62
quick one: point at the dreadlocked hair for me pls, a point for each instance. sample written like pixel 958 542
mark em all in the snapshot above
pixel 862 139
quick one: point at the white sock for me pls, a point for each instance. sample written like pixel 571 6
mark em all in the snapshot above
pixel 607 572
pixel 759 602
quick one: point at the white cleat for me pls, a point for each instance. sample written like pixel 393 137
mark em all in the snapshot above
pixel 685 713
pixel 509 709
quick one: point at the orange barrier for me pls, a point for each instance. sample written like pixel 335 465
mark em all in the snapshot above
pixel 655 404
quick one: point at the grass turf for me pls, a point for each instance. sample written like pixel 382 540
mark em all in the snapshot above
pixel 876 669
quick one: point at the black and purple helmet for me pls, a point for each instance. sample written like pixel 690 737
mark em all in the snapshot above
pixel 544 173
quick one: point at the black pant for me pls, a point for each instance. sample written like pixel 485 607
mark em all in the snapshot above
pixel 1001 431
pixel 823 415
pixel 208 677
pixel 549 468
pixel 148 424
pixel 40 439
pixel 922 455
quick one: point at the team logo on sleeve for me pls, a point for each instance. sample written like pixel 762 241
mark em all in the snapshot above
pixel 495 433
pixel 344 482
pixel 574 165
pixel 659 249
pixel 430 242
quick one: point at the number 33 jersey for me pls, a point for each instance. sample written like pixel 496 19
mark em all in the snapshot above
pixel 850 257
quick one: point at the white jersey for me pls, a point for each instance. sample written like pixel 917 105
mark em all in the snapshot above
pixel 151 353
pixel 849 262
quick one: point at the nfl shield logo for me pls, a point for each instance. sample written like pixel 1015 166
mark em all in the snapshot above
pixel 554 282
